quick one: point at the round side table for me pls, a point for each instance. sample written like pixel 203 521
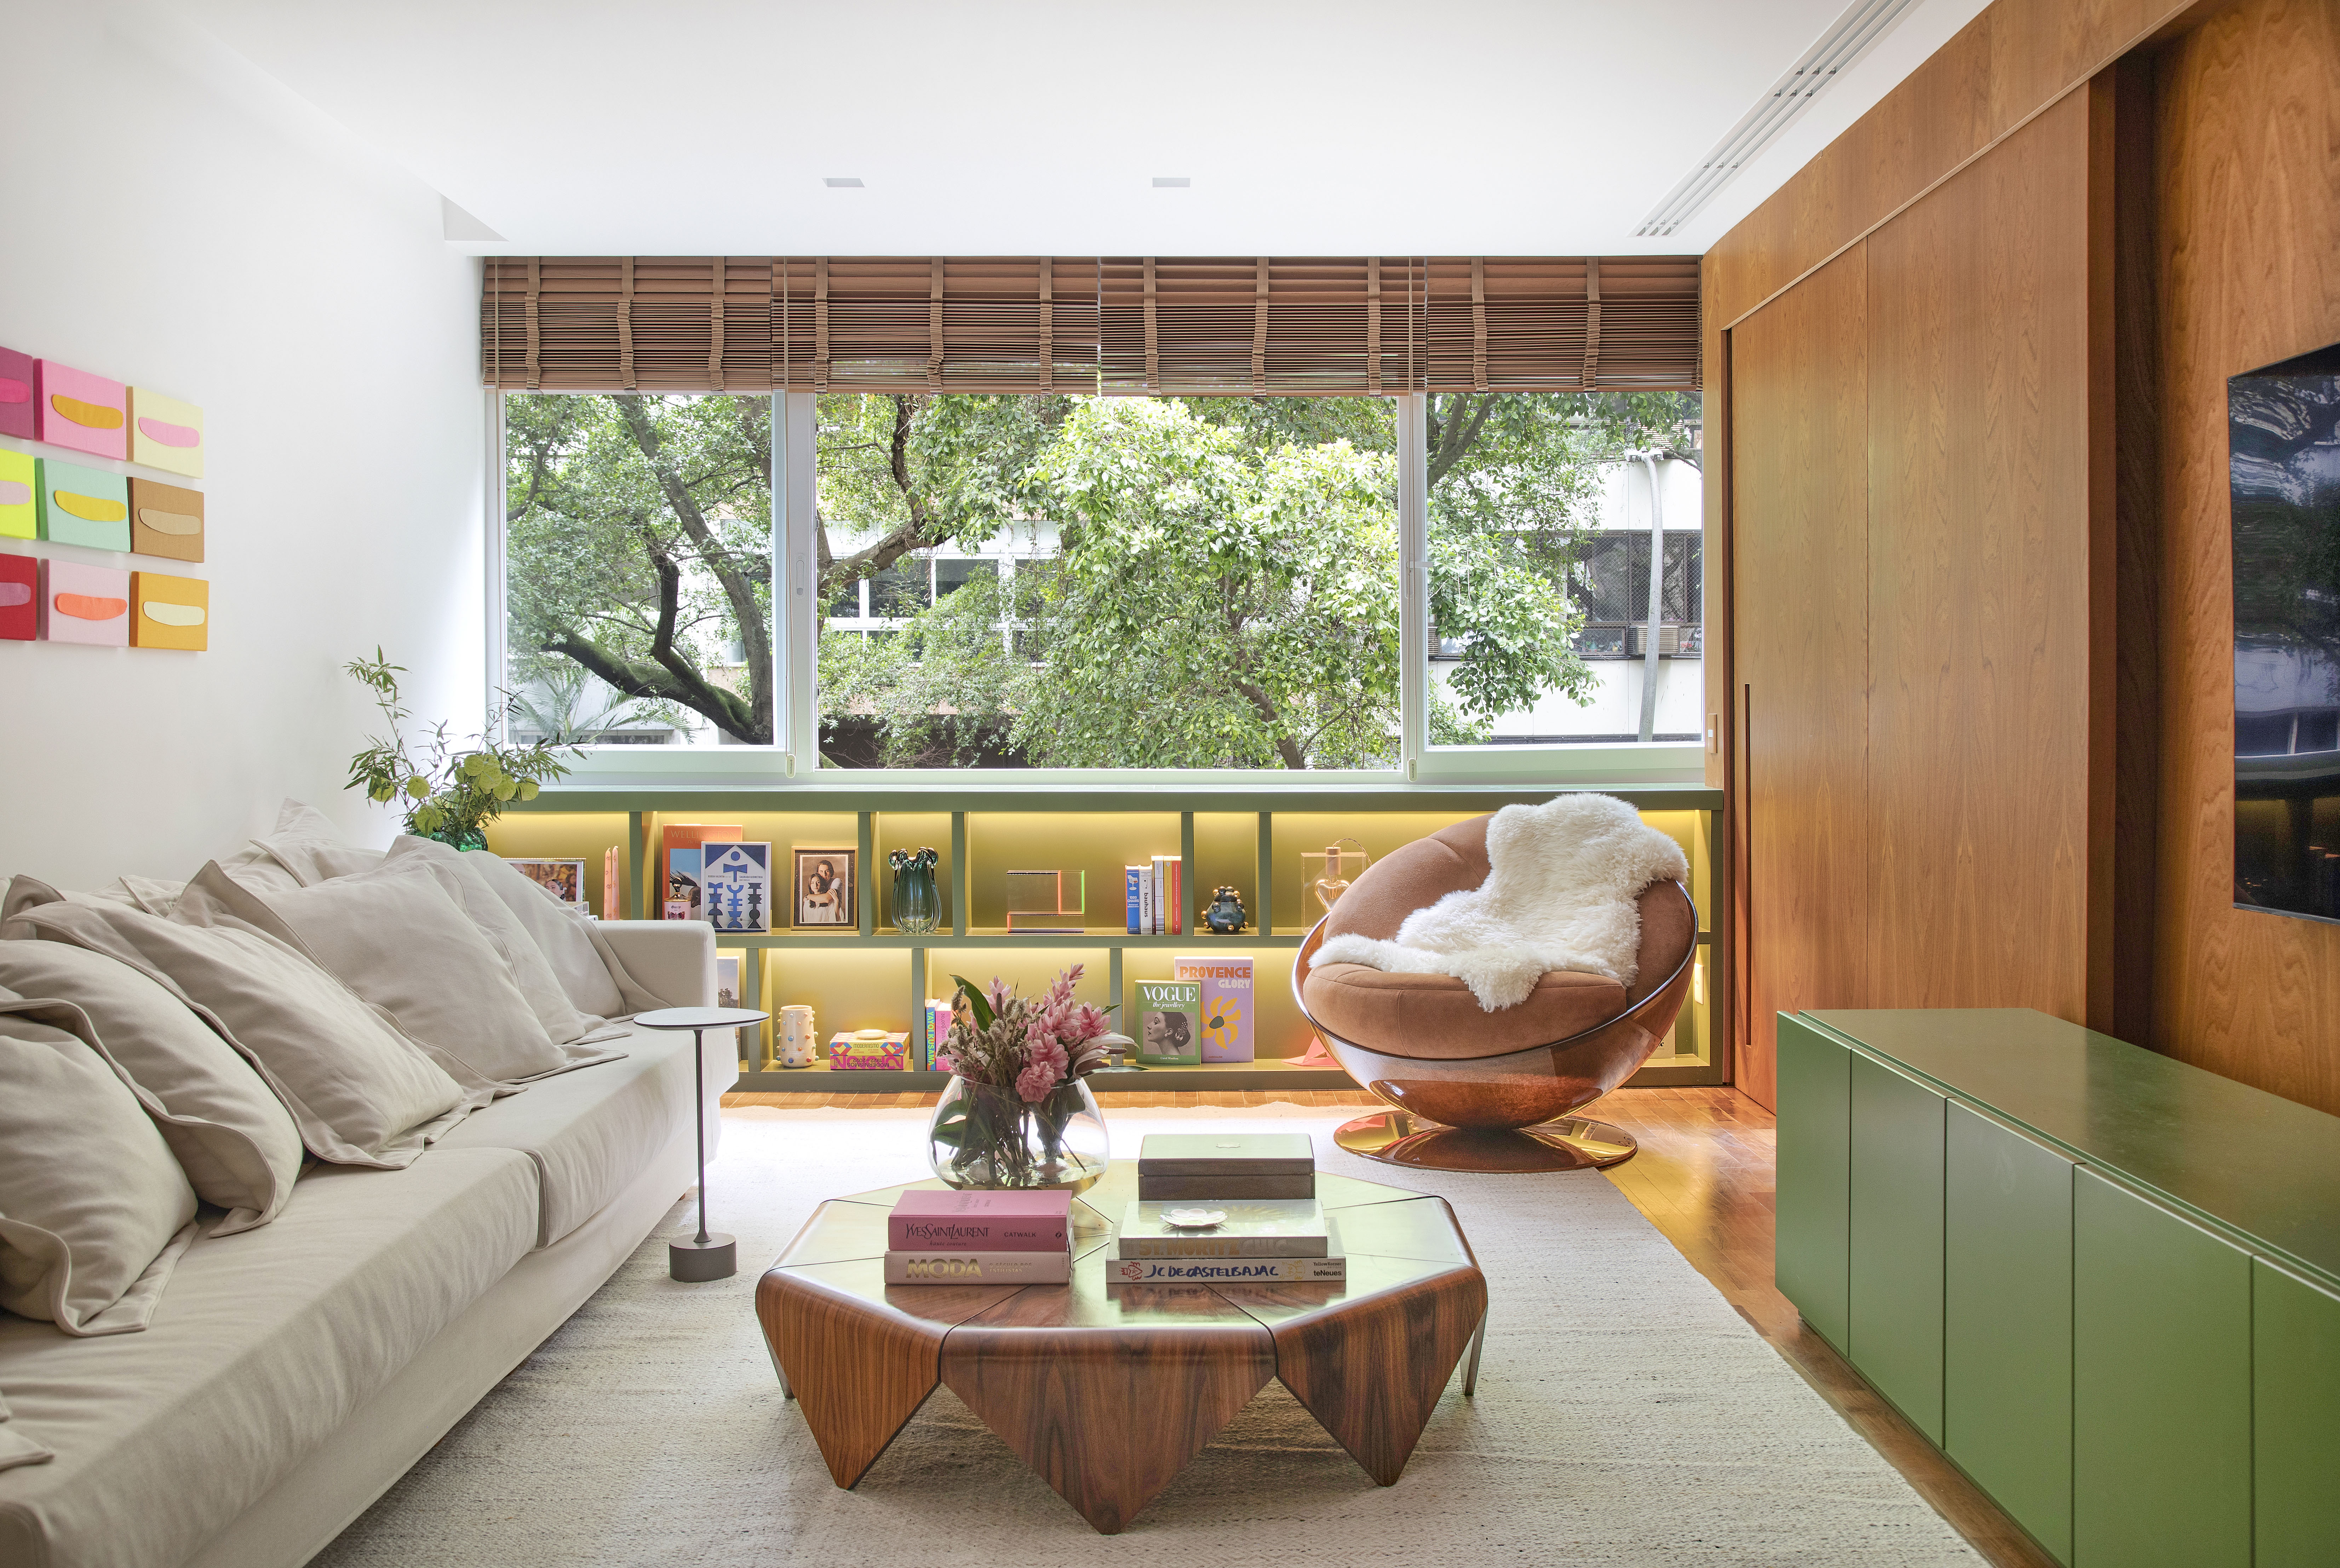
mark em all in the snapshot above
pixel 703 1257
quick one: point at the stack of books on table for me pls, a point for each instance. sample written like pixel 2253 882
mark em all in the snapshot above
pixel 1225 1208
pixel 980 1239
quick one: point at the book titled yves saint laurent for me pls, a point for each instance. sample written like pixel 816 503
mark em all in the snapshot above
pixel 1248 1228
pixel 981 1221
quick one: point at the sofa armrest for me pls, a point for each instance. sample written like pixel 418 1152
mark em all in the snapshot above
pixel 674 960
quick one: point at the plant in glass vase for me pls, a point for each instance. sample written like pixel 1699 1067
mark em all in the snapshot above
pixel 453 791
pixel 1017 1111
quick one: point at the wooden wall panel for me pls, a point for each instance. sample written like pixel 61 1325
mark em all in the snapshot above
pixel 2014 57
pixel 1799 472
pixel 2247 146
pixel 1980 583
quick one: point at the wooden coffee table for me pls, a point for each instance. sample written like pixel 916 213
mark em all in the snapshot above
pixel 1108 1391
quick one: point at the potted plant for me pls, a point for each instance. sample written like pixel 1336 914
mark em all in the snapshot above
pixel 1017 1111
pixel 451 790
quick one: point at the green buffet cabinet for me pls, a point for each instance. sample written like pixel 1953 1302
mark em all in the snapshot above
pixel 2104 1283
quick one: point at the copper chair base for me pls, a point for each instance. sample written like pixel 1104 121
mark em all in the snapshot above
pixel 1574 1143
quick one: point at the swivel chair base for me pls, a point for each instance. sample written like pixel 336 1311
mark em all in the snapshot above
pixel 1574 1143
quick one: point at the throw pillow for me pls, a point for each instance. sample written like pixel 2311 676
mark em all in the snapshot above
pixel 559 933
pixel 397 938
pixel 466 877
pixel 234 1137
pixel 94 1210
pixel 360 1092
pixel 311 848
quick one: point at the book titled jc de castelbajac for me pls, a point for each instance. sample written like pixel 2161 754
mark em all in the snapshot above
pixel 979 1221
pixel 1225 1270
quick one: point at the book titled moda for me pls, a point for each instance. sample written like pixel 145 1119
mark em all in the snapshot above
pixel 979 1239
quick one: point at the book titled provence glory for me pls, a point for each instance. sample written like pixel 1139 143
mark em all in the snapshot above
pixel 1225 1270
pixel 1247 1229
pixel 1169 1023
pixel 908 1267
pixel 978 1221
pixel 1225 1003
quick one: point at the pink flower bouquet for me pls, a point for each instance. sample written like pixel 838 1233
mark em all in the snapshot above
pixel 1019 1062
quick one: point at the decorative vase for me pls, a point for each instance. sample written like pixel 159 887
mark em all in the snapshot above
pixel 917 901
pixel 987 1137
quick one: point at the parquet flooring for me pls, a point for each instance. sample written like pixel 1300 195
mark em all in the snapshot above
pixel 1704 1179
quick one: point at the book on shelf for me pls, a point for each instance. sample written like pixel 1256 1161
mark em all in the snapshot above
pixel 680 861
pixel 981 1221
pixel 1330 1270
pixel 1226 1003
pixel 1251 1229
pixel 1168 870
pixel 735 886
pixel 853 1053
pixel 1169 1023
pixel 1133 894
pixel 907 1267
pixel 934 1055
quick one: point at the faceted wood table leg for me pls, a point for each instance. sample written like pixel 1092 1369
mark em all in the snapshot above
pixel 858 1375
pixel 1108 1417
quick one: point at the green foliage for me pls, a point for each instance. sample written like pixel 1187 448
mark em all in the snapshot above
pixel 452 792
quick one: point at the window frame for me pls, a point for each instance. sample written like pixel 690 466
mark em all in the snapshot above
pixel 798 614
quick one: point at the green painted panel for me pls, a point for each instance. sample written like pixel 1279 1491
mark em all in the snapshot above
pixel 1815 1167
pixel 2161 1386
pixel 2295 1419
pixel 2007 1322
pixel 1896 1240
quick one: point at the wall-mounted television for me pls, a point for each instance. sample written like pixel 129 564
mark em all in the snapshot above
pixel 2283 424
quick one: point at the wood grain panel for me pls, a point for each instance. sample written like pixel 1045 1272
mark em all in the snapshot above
pixel 1799 482
pixel 2015 57
pixel 2249 220
pixel 1980 522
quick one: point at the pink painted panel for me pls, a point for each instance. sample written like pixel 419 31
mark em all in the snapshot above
pixel 81 411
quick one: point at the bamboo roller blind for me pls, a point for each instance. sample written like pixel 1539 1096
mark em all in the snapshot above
pixel 1249 326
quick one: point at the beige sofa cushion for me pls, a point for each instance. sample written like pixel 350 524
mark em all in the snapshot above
pixel 590 1133
pixel 559 933
pixel 311 848
pixel 360 1092
pixel 266 1342
pixel 93 1210
pixel 467 877
pixel 233 1137
pixel 396 937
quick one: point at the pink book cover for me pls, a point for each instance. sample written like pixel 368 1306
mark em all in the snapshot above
pixel 981 1221
pixel 1227 1010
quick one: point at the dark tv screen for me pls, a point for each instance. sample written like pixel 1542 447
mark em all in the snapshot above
pixel 2284 462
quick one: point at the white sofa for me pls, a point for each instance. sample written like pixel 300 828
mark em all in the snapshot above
pixel 293 1372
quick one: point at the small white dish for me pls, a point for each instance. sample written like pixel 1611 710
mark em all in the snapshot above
pixel 1193 1218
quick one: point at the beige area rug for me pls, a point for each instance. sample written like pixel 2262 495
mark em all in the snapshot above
pixel 1625 1415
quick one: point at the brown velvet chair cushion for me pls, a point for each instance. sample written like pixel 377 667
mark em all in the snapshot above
pixel 1435 1015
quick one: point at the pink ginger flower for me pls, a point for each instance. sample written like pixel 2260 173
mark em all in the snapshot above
pixel 1032 1084
pixel 1087 1022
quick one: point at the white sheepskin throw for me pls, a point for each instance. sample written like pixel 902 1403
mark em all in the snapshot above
pixel 1562 893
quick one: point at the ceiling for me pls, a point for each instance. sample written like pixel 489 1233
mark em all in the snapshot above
pixel 693 127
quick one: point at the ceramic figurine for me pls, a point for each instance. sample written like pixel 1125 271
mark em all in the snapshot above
pixel 1225 916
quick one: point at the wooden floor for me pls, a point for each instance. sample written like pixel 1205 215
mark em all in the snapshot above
pixel 1704 1178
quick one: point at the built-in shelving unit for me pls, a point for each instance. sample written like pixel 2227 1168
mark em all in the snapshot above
pixel 1247 837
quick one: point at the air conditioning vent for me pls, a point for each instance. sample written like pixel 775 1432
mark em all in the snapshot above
pixel 1838 47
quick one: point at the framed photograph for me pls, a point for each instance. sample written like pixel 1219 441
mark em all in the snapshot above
pixel 563 879
pixel 824 886
pixel 726 980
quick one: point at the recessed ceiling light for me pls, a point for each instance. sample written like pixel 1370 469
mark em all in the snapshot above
pixel 841 181
pixel 1171 182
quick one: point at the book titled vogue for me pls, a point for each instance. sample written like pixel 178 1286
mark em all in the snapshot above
pixel 1226 1270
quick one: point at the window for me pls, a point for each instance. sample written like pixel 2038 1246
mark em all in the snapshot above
pixel 639 568
pixel 1540 517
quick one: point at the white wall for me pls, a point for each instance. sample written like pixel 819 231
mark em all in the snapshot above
pixel 176 219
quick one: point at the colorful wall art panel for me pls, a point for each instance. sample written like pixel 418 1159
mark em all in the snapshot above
pixel 88 604
pixel 16 394
pixel 170 612
pixel 20 474
pixel 20 598
pixel 74 409
pixel 165 433
pixel 84 507
pixel 165 520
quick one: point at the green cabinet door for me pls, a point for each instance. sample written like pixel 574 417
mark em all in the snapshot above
pixel 1895 1241
pixel 1815 1166
pixel 2296 1417
pixel 2007 1322
pixel 2161 1386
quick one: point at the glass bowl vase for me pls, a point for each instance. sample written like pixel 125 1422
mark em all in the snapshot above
pixel 986 1137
